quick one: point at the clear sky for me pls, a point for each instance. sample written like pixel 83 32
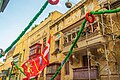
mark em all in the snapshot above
pixel 19 13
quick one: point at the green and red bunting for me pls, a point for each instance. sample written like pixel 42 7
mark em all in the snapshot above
pixel 36 65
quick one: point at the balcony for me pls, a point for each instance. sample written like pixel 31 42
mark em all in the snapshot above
pixel 51 69
pixel 90 38
pixel 83 73
pixel 35 50
pixel 82 38
pixel 106 1
pixel 113 3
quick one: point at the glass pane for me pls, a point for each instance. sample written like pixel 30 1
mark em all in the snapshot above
pixel 65 40
pixel 73 35
pixel 69 37
pixel 82 11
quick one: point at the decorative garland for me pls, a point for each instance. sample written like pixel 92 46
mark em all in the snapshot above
pixel 18 67
pixel 29 25
pixel 75 41
pixel 90 20
pixel 79 34
pixel 53 2
pixel 23 32
pixel 10 72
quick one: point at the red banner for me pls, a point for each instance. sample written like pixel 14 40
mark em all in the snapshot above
pixel 35 66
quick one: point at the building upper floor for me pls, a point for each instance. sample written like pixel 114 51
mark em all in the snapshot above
pixel 66 28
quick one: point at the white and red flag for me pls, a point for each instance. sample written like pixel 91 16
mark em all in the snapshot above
pixel 33 67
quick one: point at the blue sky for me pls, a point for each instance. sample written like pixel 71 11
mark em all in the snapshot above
pixel 19 13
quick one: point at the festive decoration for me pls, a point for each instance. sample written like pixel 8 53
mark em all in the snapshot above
pixel 3 4
pixel 35 66
pixel 29 25
pixel 18 67
pixel 31 68
pixel 2 53
pixel 25 79
pixel 78 36
pixel 53 2
pixel 105 11
pixel 71 49
pixel 90 20
pixel 10 72
pixel 1 50
pixel 12 64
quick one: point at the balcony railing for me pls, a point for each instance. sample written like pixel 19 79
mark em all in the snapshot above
pixel 113 3
pixel 106 1
pixel 83 73
pixel 89 32
pixel 51 69
pixel 90 35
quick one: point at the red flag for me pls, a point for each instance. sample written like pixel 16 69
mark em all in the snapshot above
pixel 35 66
pixel 45 54
pixel 25 79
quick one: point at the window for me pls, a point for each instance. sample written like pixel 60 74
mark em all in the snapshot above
pixel 42 74
pixel 95 25
pixel 16 58
pixel 57 28
pixel 73 35
pixel 83 34
pixel 65 40
pixel 39 49
pixel 82 10
pixel 67 68
pixel 32 50
pixel 85 61
pixel 69 37
pixel 57 44
pixel 44 42
pixel 51 69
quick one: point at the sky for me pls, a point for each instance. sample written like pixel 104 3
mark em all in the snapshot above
pixel 19 13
